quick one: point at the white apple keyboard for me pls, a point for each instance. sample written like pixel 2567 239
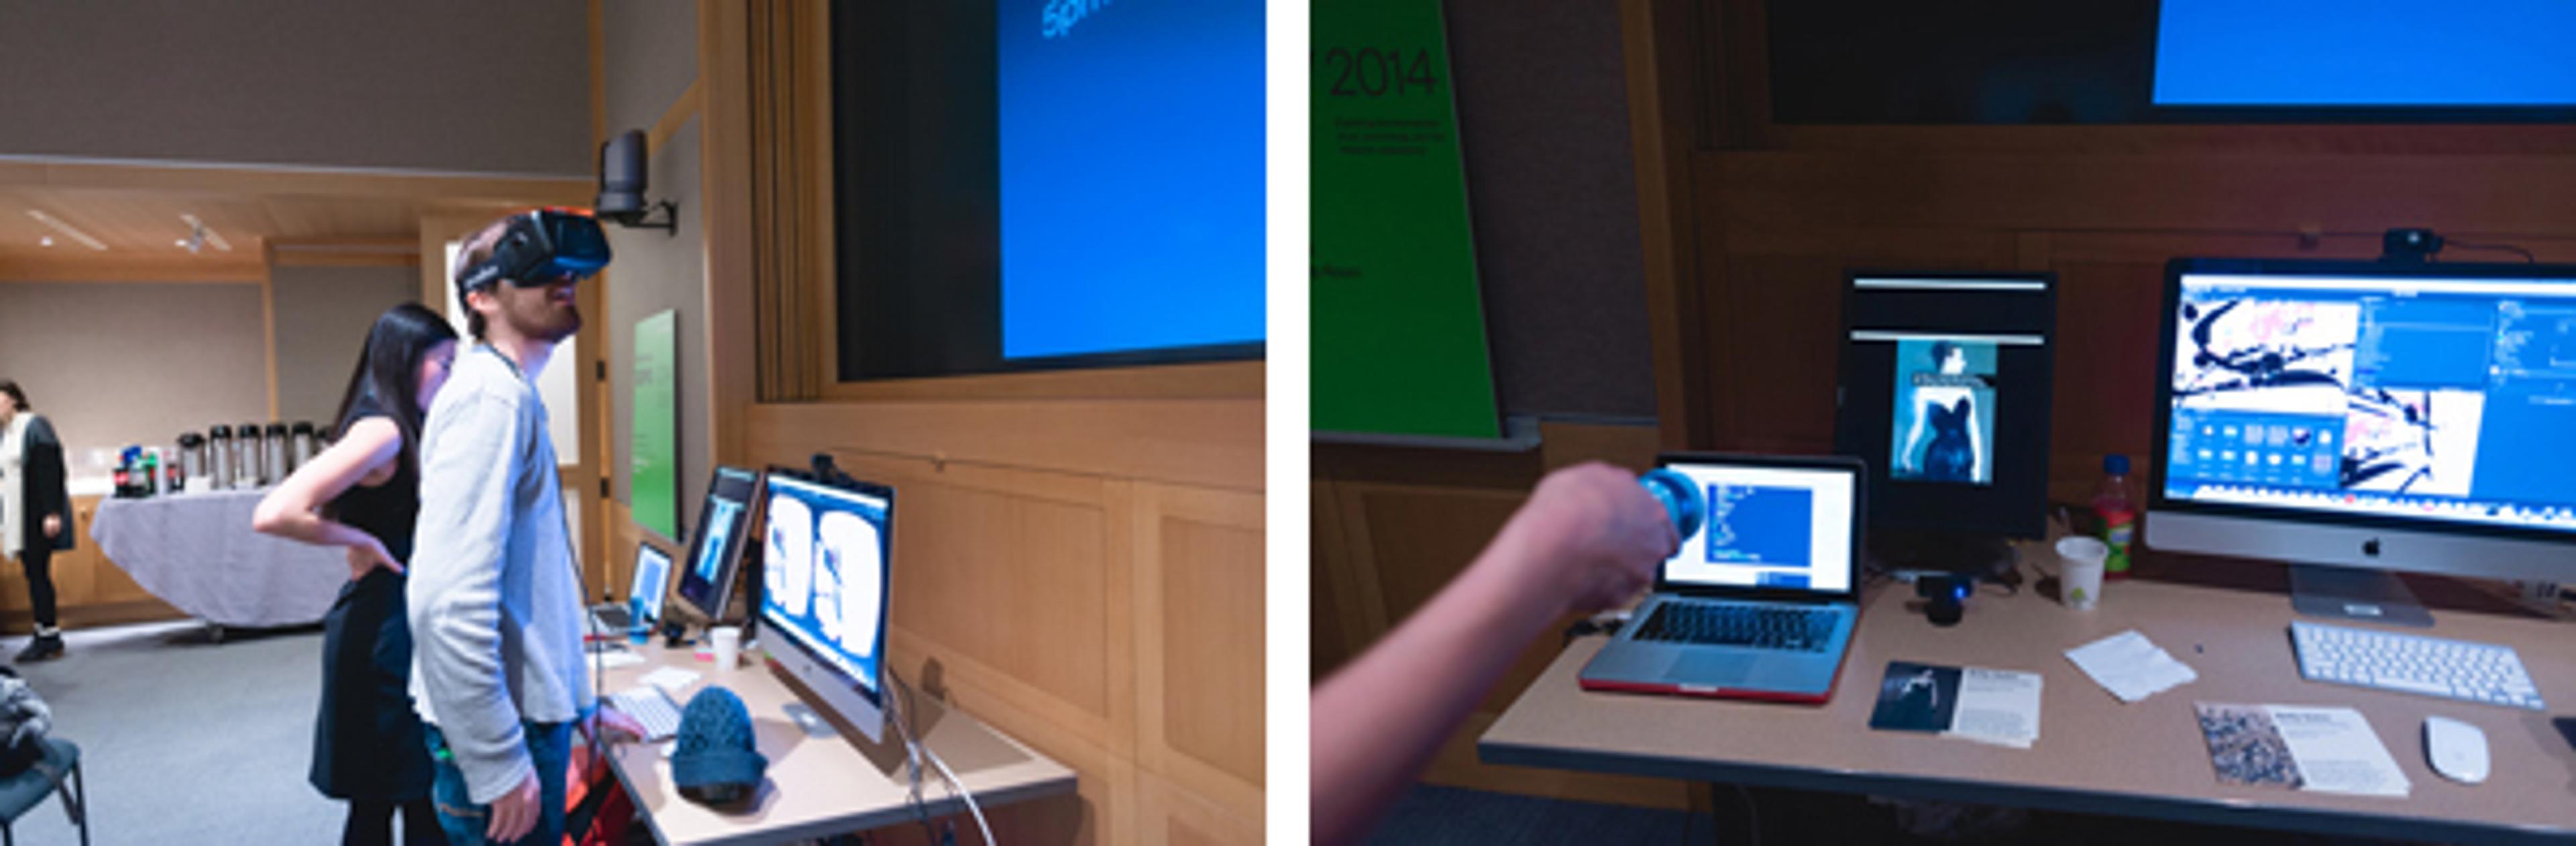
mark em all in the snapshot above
pixel 2453 669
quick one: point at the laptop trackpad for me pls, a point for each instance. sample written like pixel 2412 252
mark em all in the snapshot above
pixel 1711 667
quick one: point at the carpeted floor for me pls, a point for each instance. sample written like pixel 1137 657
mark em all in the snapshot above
pixel 186 741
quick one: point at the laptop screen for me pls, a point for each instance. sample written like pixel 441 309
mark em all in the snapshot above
pixel 1769 526
pixel 652 572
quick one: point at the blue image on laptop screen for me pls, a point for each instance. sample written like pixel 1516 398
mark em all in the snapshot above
pixel 1761 526
pixel 1768 527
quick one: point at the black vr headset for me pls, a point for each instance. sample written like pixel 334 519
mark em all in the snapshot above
pixel 539 248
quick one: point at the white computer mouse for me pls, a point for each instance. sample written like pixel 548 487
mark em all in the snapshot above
pixel 2456 749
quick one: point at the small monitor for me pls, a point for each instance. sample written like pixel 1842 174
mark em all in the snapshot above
pixel 715 548
pixel 2369 415
pixel 825 564
pixel 652 580
pixel 1945 394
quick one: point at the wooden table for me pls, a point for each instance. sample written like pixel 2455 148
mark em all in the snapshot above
pixel 820 786
pixel 2094 754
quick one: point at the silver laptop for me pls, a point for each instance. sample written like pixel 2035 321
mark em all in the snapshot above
pixel 1760 602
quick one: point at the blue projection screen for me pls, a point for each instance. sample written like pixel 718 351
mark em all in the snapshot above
pixel 1131 171
pixel 2366 53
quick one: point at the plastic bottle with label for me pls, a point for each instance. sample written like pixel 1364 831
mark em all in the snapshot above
pixel 2117 513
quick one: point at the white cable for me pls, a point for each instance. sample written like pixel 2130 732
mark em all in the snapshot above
pixel 917 750
pixel 959 789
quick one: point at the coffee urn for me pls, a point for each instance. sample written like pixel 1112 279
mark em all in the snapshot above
pixel 192 462
pixel 248 461
pixel 219 459
pixel 275 450
pixel 304 444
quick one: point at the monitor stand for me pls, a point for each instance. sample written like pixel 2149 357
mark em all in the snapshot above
pixel 1983 556
pixel 2373 596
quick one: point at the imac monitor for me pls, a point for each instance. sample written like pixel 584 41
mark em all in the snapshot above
pixel 1944 394
pixel 2371 415
pixel 824 571
pixel 715 548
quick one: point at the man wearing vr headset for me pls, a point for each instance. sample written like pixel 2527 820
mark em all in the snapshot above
pixel 495 597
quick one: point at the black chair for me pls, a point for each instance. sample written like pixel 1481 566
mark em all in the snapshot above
pixel 26 790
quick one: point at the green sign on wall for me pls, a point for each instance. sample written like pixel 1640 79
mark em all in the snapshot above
pixel 653 446
pixel 1398 320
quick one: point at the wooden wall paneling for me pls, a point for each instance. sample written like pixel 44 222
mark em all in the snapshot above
pixel 494 191
pixel 2500 196
pixel 1199 584
pixel 1657 50
pixel 1170 814
pixel 820 286
pixel 1013 598
pixel 724 88
pixel 268 333
pixel 1213 380
pixel 1334 626
pixel 158 269
pixel 1191 442
pixel 2190 139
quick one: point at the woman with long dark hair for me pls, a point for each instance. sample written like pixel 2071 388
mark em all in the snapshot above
pixel 363 493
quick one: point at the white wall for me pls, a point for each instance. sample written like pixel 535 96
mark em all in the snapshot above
pixel 323 314
pixel 482 86
pixel 117 363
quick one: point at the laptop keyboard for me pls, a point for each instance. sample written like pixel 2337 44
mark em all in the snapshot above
pixel 1760 627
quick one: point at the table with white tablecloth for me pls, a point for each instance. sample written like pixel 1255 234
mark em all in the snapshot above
pixel 197 552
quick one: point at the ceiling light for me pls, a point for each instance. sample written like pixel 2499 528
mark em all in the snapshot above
pixel 203 235
pixel 66 229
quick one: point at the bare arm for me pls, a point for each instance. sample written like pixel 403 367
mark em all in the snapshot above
pixel 294 509
pixel 1588 538
pixel 1914 435
pixel 1977 448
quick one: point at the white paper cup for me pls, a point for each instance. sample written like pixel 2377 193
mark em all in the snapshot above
pixel 728 639
pixel 2079 573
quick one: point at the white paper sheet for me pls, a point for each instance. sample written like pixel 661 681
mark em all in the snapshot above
pixel 2130 666
pixel 2328 750
pixel 2338 753
pixel 670 679
pixel 1997 706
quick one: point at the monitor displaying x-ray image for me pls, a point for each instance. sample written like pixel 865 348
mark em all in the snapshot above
pixel 825 573
pixel 717 545
pixel 1944 427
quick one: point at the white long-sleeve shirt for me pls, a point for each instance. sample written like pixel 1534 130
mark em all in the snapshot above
pixel 495 595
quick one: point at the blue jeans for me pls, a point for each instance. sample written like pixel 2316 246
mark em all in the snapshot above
pixel 549 750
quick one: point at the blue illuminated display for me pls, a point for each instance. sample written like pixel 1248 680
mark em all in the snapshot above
pixel 1132 152
pixel 2494 53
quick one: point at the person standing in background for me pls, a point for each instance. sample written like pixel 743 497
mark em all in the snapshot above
pixel 35 509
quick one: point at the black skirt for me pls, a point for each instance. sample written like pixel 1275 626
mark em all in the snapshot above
pixel 367 740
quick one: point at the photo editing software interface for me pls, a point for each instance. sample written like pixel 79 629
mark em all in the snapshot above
pixel 824 575
pixel 2433 398
pixel 1768 527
